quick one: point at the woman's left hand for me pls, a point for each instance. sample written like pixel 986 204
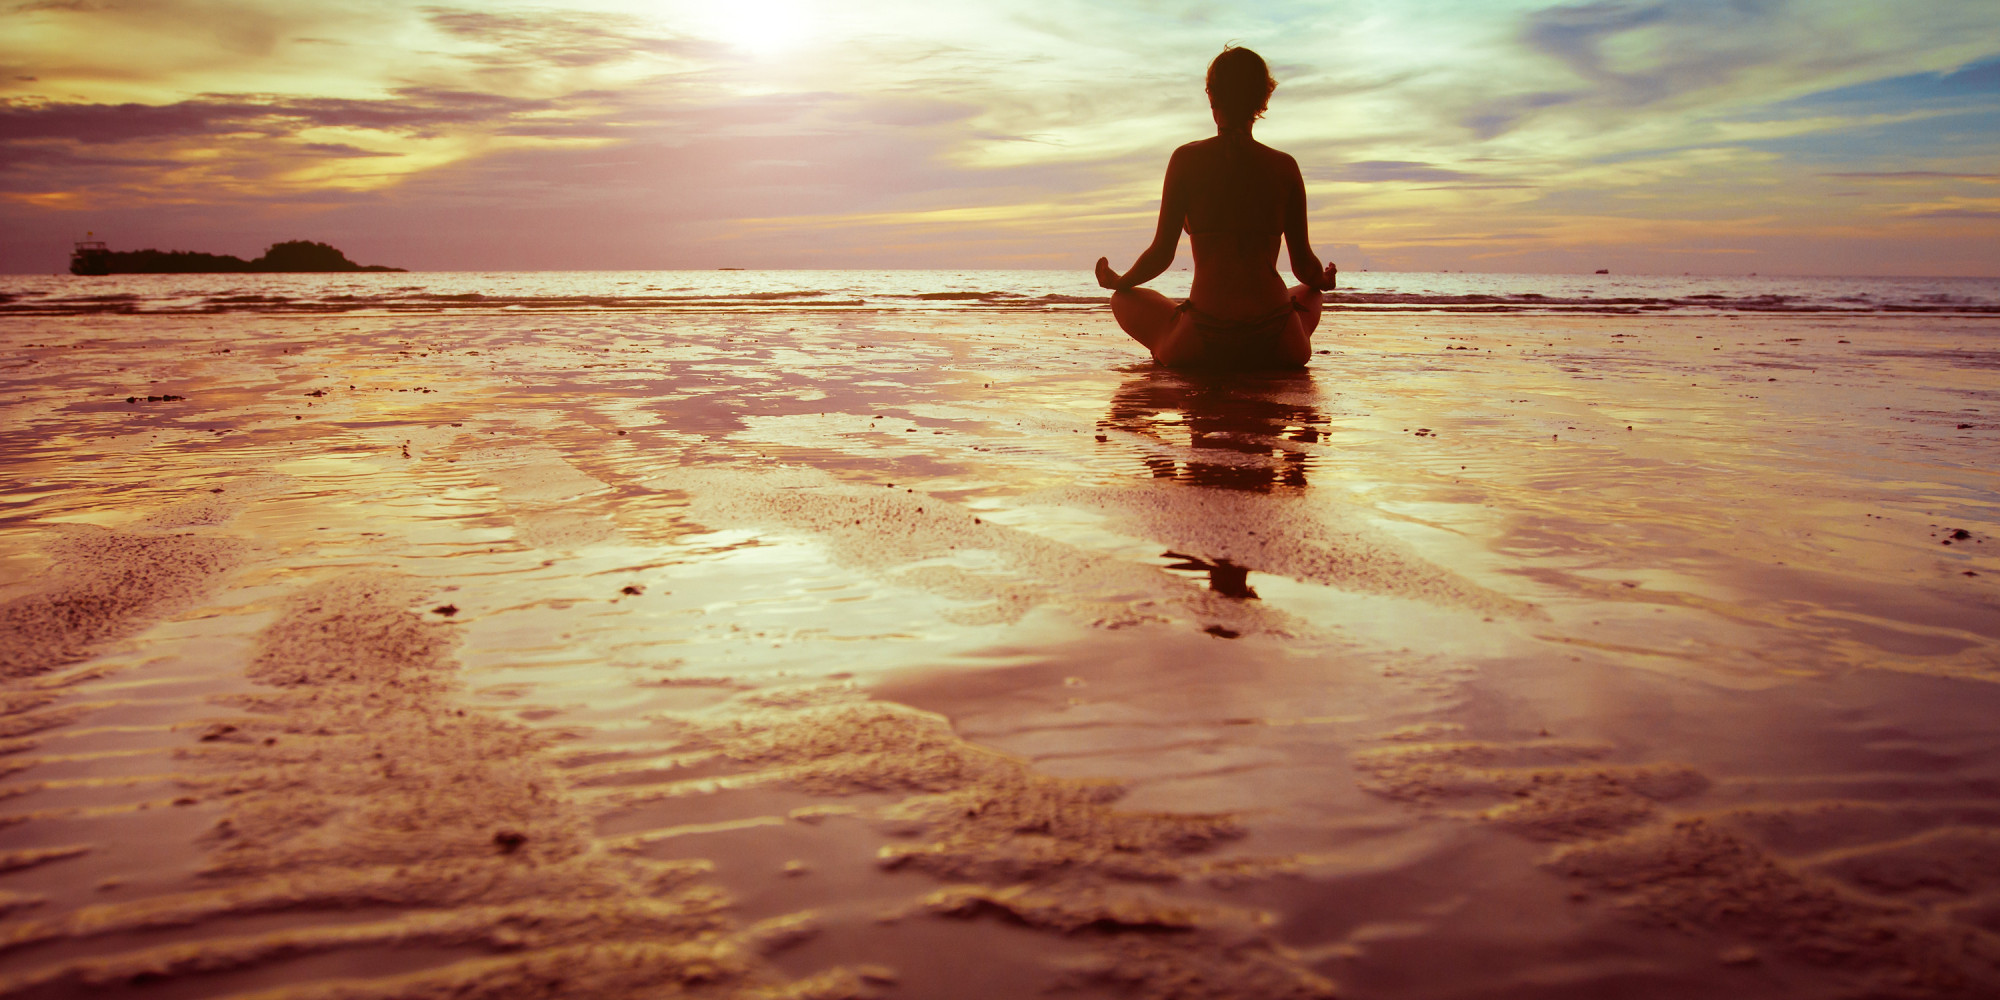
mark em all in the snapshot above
pixel 1106 277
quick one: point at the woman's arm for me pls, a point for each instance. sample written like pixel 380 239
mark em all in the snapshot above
pixel 1166 235
pixel 1305 264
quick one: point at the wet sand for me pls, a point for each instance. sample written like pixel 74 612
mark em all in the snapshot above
pixel 895 655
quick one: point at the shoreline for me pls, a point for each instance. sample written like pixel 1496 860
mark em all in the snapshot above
pixel 892 293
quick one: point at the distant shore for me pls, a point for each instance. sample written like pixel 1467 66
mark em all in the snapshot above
pixel 290 257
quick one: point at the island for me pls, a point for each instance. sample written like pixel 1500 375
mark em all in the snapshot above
pixel 291 256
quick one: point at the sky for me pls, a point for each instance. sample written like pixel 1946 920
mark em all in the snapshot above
pixel 1702 136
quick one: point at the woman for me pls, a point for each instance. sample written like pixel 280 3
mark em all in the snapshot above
pixel 1236 197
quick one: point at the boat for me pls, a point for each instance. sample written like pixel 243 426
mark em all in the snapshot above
pixel 1603 270
pixel 90 257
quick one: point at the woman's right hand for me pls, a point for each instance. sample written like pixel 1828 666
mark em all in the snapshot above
pixel 1106 277
pixel 1326 280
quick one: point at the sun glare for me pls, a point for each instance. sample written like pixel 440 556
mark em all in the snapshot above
pixel 762 27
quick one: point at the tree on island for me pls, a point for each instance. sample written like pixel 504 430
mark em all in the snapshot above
pixel 306 255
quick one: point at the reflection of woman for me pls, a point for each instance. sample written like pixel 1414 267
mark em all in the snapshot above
pixel 1242 432
pixel 1236 197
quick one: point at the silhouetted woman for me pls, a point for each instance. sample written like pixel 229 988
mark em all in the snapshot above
pixel 1236 197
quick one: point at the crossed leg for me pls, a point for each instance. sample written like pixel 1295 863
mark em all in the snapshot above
pixel 1307 302
pixel 1145 314
pixel 1296 348
pixel 1156 321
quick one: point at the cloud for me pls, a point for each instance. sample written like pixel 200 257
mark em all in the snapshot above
pixel 1490 119
pixel 1916 140
pixel 1912 175
pixel 1976 83
pixel 14 160
pixel 1576 34
pixel 1379 171
pixel 338 149
pixel 1640 53
pixel 415 111
pixel 1611 59
pixel 566 39
pixel 224 149
pixel 102 123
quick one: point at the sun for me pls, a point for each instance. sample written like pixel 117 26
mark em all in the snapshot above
pixel 762 27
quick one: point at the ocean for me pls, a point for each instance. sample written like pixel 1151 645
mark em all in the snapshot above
pixel 959 292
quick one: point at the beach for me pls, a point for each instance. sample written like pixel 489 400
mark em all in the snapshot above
pixel 778 651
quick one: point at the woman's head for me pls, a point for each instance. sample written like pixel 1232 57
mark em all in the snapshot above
pixel 1239 86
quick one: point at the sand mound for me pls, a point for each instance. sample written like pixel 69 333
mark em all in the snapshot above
pixel 1554 788
pixel 1813 827
pixel 1051 854
pixel 106 585
pixel 354 782
pixel 1850 908
pixel 357 784
pixel 1694 875
pixel 982 814
pixel 1151 947
pixel 218 505
pixel 1951 862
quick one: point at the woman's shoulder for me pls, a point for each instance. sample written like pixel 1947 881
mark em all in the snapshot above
pixel 1280 163
pixel 1277 155
pixel 1215 143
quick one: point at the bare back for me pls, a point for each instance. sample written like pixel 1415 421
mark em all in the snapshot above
pixel 1237 198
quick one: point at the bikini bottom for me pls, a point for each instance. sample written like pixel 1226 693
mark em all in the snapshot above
pixel 1238 343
